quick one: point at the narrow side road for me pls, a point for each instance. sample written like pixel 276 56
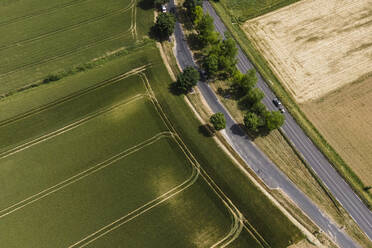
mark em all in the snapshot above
pixel 253 157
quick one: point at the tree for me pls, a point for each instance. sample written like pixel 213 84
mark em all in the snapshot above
pixel 273 120
pixel 198 15
pixel 190 5
pixel 253 97
pixel 258 108
pixel 243 83
pixel 218 121
pixel 205 29
pixel 164 26
pixel 210 65
pixel 187 79
pixel 252 122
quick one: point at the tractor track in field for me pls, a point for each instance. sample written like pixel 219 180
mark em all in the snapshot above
pixel 66 53
pixel 67 128
pixel 42 194
pixel 70 27
pixel 139 211
pixel 239 221
pixel 74 95
pixel 41 12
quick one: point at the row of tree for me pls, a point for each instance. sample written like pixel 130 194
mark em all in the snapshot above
pixel 218 61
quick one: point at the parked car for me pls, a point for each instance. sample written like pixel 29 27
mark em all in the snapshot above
pixel 163 8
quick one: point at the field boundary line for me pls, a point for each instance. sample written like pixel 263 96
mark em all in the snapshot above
pixel 234 211
pixel 68 127
pixel 133 26
pixel 42 194
pixel 68 28
pixel 66 53
pixel 41 12
pixel 141 210
pixel 75 94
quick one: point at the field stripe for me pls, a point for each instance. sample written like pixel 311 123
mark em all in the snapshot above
pixel 64 54
pixel 68 28
pixel 41 12
pixel 21 204
pixel 66 128
pixel 74 95
pixel 139 211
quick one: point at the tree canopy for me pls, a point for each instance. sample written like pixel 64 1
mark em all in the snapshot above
pixel 253 122
pixel 218 121
pixel 243 83
pixel 273 120
pixel 164 26
pixel 187 79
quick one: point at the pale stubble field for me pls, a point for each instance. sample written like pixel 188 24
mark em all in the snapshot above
pixel 322 52
pixel 316 46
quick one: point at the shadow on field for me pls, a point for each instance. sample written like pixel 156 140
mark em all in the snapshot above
pixel 146 4
pixel 174 89
pixel 206 130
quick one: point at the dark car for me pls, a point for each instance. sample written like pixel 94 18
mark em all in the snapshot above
pixel 279 105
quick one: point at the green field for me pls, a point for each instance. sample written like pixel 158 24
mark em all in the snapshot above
pixel 97 157
pixel 107 156
pixel 247 9
pixel 63 34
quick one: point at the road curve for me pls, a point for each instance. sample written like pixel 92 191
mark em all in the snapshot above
pixel 321 166
pixel 254 158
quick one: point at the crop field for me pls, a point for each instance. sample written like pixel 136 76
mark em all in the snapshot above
pixel 344 117
pixel 314 46
pixel 247 9
pixel 41 37
pixel 94 163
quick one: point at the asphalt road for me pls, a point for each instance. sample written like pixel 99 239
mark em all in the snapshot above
pixel 335 183
pixel 264 168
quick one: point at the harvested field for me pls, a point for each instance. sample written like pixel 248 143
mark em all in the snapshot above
pixel 344 118
pixel 315 46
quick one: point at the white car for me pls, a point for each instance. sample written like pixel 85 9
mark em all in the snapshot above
pixel 163 8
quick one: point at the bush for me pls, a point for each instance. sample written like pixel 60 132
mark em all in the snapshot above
pixel 218 121
pixel 51 78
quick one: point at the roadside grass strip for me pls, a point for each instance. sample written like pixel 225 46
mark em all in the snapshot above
pixel 29 200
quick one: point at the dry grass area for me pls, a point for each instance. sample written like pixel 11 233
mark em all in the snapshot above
pixel 316 46
pixel 303 244
pixel 344 118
